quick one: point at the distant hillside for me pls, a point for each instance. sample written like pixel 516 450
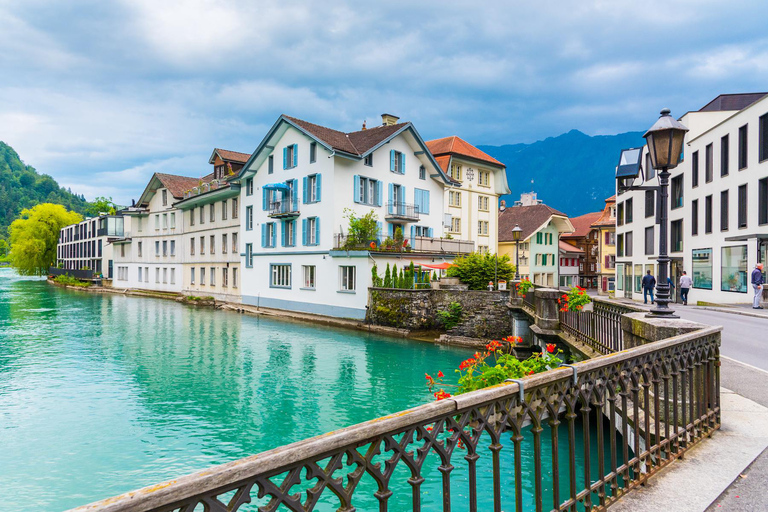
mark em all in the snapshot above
pixel 573 172
pixel 22 187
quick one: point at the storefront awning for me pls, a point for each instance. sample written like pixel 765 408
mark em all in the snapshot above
pixel 277 186
pixel 438 266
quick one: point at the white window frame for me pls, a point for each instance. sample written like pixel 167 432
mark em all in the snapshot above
pixel 347 278
pixel 309 274
pixel 280 275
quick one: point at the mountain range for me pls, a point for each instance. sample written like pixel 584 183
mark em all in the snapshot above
pixel 573 172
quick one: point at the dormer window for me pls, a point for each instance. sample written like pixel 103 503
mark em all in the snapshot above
pixel 368 160
pixel 165 198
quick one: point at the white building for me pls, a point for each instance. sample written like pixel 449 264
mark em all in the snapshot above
pixel 88 244
pixel 150 256
pixel 471 199
pixel 718 205
pixel 296 192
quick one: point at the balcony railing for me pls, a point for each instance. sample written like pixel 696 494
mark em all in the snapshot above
pixel 402 211
pixel 591 433
pixel 283 209
pixel 419 244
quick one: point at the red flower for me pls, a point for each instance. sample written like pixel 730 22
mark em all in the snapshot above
pixel 551 347
pixel 429 377
pixel 466 364
pixel 441 395
pixel 440 374
pixel 530 372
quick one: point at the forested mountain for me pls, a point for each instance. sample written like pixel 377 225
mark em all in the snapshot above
pixel 573 172
pixel 22 187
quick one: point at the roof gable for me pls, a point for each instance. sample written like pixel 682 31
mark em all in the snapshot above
pixel 583 224
pixel 229 156
pixel 530 219
pixel 454 145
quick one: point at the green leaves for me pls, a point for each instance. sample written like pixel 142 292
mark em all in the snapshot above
pixel 34 237
pixel 476 270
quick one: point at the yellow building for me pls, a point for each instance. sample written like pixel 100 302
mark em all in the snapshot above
pixel 606 263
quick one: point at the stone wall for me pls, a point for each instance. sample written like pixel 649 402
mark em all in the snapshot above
pixel 484 314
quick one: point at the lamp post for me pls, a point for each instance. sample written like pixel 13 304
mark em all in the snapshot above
pixel 516 232
pixel 665 145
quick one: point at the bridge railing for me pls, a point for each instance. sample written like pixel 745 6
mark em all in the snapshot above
pixel 600 328
pixel 602 428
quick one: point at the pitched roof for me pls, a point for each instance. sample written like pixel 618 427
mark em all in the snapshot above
pixel 582 224
pixel 529 218
pixel 732 101
pixel 605 219
pixel 457 146
pixel 356 143
pixel 232 156
pixel 566 247
pixel 177 185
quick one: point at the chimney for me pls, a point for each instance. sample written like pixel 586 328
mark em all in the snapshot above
pixel 364 128
pixel 389 119
pixel 503 205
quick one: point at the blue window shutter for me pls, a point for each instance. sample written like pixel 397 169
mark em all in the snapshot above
pixel 402 163
pixel 304 190
pixel 264 201
pixel 425 201
pixel 263 235
pixel 378 231
pixel 303 231
pixel 391 230
pixel 285 157
pixel 413 233
pixel 392 160
pixel 317 230
pixel 319 185
pixel 295 154
pixel 378 193
pixel 403 196
pixel 429 232
pixel 295 193
pixel 282 234
pixel 389 203
pixel 293 234
pixel 356 191
pixel 274 235
pixel 416 199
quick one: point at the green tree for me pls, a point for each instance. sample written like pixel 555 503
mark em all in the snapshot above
pixel 4 248
pixel 34 237
pixel 395 277
pixel 375 279
pixel 476 270
pixel 388 278
pixel 361 229
pixel 101 205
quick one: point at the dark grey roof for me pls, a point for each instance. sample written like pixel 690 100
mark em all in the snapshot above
pixel 732 101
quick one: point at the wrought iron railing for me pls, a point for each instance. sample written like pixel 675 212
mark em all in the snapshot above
pixel 282 208
pixel 396 209
pixel 590 433
pixel 600 328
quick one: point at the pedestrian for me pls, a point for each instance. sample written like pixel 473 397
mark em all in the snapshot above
pixel 671 287
pixel 757 285
pixel 685 285
pixel 648 283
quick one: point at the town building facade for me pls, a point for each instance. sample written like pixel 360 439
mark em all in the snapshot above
pixel 606 236
pixel 585 237
pixel 88 244
pixel 571 259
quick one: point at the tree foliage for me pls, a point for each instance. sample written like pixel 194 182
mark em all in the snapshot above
pixel 101 205
pixel 476 270
pixel 362 230
pixel 34 237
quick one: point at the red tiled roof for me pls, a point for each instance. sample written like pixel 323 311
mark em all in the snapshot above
pixel 565 246
pixel 582 224
pixel 605 219
pixel 177 185
pixel 457 146
pixel 233 156
pixel 529 218
pixel 355 143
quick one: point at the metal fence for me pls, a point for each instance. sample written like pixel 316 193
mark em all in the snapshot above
pixel 600 328
pixel 634 411
pixel 529 300
pixel 78 274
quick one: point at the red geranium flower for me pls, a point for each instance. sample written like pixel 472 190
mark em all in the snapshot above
pixel 551 347
pixel 440 374
pixel 441 395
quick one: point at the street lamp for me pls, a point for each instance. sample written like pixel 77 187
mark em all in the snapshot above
pixel 516 232
pixel 665 145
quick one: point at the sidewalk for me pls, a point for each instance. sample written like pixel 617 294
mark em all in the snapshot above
pixel 735 309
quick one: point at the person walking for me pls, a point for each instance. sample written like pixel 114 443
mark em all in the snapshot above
pixel 648 283
pixel 685 285
pixel 671 288
pixel 757 285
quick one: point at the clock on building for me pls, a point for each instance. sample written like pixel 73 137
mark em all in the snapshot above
pixel 470 174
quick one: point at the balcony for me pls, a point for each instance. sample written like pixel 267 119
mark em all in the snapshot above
pixel 419 244
pixel 402 211
pixel 283 209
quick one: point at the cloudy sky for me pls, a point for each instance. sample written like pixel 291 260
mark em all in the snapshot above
pixel 101 94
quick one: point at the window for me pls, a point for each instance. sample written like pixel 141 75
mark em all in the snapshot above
pixel 140 279
pixel 192 217
pixel 234 278
pixel 202 275
pixel 271 164
pixel 676 235
pixel 347 278
pixel 139 248
pixel 455 225
pixel 695 169
pixel 724 156
pixel 202 215
pixel 484 178
pixel 157 275
pixel 157 248
pixel 268 234
pixel 173 221
pixel 165 221
pixel 724 210
pixel 309 276
pixel 139 222
pixel 146 274
pixel 396 162
pixel 289 233
pixel 165 198
pixel 368 160
pixel 165 275
pixel 421 200
pixel 192 275
pixel 733 269
pixel 695 217
pixel 157 222
pixel 312 188
pixel 649 170
pixel 212 212
pixel 454 198
pixel 455 172
pixel 213 276
pixel 482 227
pixel 482 203
pixel 311 231
pixel 249 255
pixel 620 214
pixel 234 243
pixel 280 276
pixel 202 245
pixel 249 187
pixel 213 244
pixel 290 156
pixel 224 277
pixel 367 190
pixel 192 246
pixel 708 164
pixel 628 244
pixel 702 268
pixel 422 173
pixel 173 247
pixel 743 147
pixel 708 214
pixel 610 238
pixel 742 221
pixel 312 152
pixel 650 208
pixel 235 211
pixel 165 247
pixel 762 201
pixel 649 240
pixel 677 192
pixel 628 211
pixel 224 243
pixel 248 218
pixel 762 142
pixel 620 276
pixel 638 278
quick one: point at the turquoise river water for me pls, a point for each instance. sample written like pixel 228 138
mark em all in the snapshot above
pixel 102 394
